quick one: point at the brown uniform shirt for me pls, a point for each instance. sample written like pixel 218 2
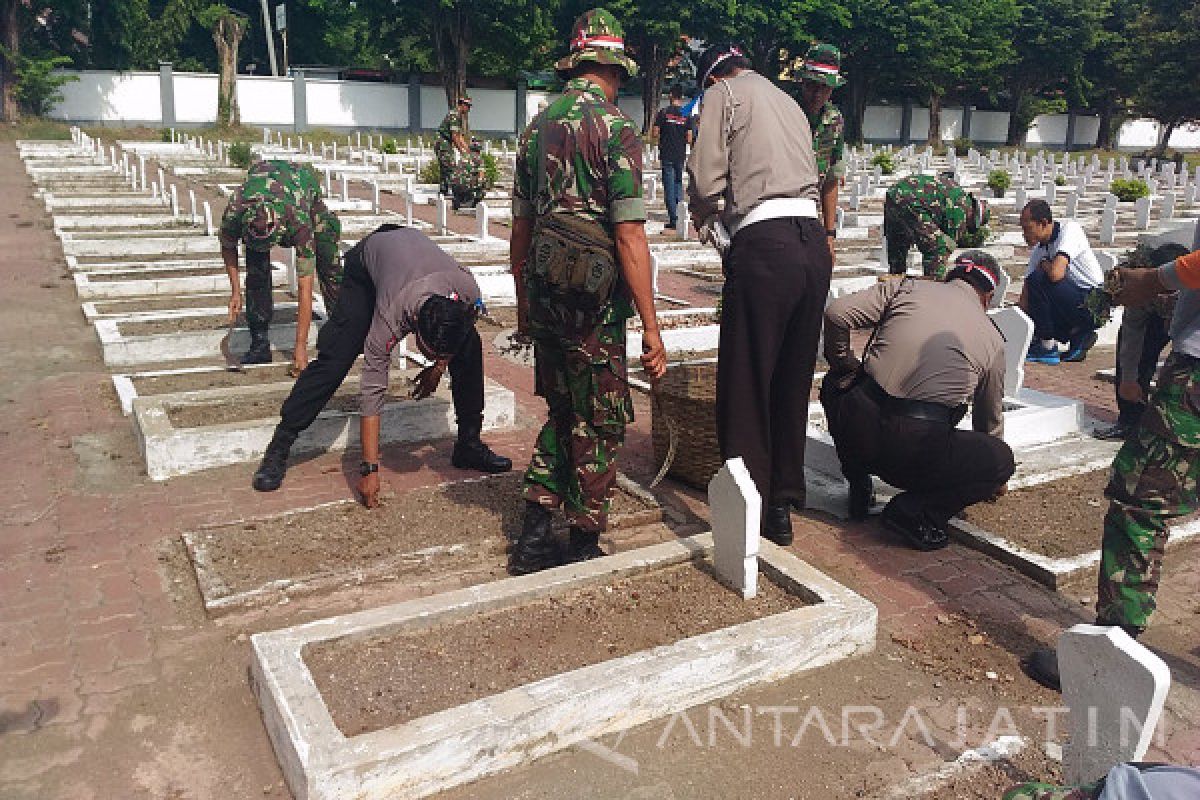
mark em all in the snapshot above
pixel 937 344
pixel 753 144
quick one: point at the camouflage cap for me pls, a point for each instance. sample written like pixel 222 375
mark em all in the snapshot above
pixel 597 36
pixel 823 64
pixel 260 224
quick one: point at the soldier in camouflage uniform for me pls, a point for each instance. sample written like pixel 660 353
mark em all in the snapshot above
pixel 933 213
pixel 452 140
pixel 579 166
pixel 820 75
pixel 1155 473
pixel 468 179
pixel 279 204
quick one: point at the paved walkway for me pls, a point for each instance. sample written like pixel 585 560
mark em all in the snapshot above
pixel 113 682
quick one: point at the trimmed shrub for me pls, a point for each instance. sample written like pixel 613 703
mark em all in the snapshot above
pixel 240 154
pixel 1129 190
pixel 885 161
pixel 998 181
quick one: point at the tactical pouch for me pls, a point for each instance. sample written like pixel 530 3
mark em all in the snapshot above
pixel 573 261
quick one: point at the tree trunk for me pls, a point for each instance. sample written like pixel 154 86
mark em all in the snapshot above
pixel 1164 138
pixel 452 47
pixel 1016 128
pixel 934 137
pixel 856 110
pixel 8 63
pixel 227 34
pixel 653 62
pixel 1108 113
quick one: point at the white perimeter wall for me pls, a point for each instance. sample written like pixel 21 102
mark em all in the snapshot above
pixel 135 97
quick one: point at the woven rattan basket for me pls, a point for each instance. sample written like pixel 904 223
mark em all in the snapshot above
pixel 687 400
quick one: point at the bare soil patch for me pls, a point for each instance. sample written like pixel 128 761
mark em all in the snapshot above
pixel 266 406
pixel 674 321
pixel 500 317
pixel 1057 519
pixel 376 683
pixel 208 322
pixel 991 781
pixel 214 379
pixel 143 275
pixel 172 302
pixel 348 537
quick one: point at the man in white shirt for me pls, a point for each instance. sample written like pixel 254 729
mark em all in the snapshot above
pixel 1062 270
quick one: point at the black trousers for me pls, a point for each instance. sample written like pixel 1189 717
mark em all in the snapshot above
pixel 340 342
pixel 1153 342
pixel 941 469
pixel 776 280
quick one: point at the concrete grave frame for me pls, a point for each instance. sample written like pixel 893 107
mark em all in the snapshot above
pixel 169 451
pixel 219 599
pixel 503 731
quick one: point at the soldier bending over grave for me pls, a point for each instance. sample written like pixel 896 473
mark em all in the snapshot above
pixel 397 282
pixel 935 214
pixel 279 205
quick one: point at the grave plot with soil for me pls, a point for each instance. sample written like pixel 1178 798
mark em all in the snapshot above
pixel 191 324
pixel 143 275
pixel 1050 531
pixel 455 525
pixel 377 683
pixel 171 383
pixel 172 302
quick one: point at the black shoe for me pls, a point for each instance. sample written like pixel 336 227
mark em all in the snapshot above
pixel 918 531
pixel 269 475
pixel 1042 666
pixel 669 226
pixel 862 497
pixel 1114 433
pixel 260 350
pixel 536 548
pixel 474 454
pixel 1079 346
pixel 583 546
pixel 777 523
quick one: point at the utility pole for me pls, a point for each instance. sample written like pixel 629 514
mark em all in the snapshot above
pixel 266 14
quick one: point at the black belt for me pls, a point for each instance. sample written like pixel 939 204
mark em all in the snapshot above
pixel 914 409
pixel 1186 358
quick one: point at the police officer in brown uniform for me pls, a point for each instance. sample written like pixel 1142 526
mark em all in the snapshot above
pixel 754 175
pixel 894 414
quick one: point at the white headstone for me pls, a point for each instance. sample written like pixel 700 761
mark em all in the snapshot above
pixel 345 187
pixel 1190 195
pixel 1115 689
pixel 1020 196
pixel 208 224
pixel 683 222
pixel 1110 202
pixel 1017 330
pixel 1108 226
pixel 443 205
pixel 375 197
pixel 1168 206
pixel 408 209
pixel 328 183
pixel 735 509
pixel 1072 204
pixel 192 205
pixel 1051 192
pixel 481 216
pixel 174 202
pixel 1142 211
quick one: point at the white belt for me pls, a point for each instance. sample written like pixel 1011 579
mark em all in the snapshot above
pixel 775 208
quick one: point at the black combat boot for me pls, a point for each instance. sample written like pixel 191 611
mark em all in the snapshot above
pixel 260 349
pixel 862 495
pixel 536 548
pixel 269 475
pixel 584 546
pixel 777 523
pixel 471 453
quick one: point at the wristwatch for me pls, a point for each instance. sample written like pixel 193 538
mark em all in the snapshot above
pixel 367 467
pixel 831 233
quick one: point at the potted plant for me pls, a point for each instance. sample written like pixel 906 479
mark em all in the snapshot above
pixel 998 181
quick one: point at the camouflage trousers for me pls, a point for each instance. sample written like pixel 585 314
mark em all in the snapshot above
pixel 260 300
pixel 905 227
pixel 574 461
pixel 445 157
pixel 1046 791
pixel 1153 481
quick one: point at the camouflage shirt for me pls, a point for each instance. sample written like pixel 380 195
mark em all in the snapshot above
pixel 452 124
pixel 593 160
pixel 829 142
pixel 289 195
pixel 939 200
